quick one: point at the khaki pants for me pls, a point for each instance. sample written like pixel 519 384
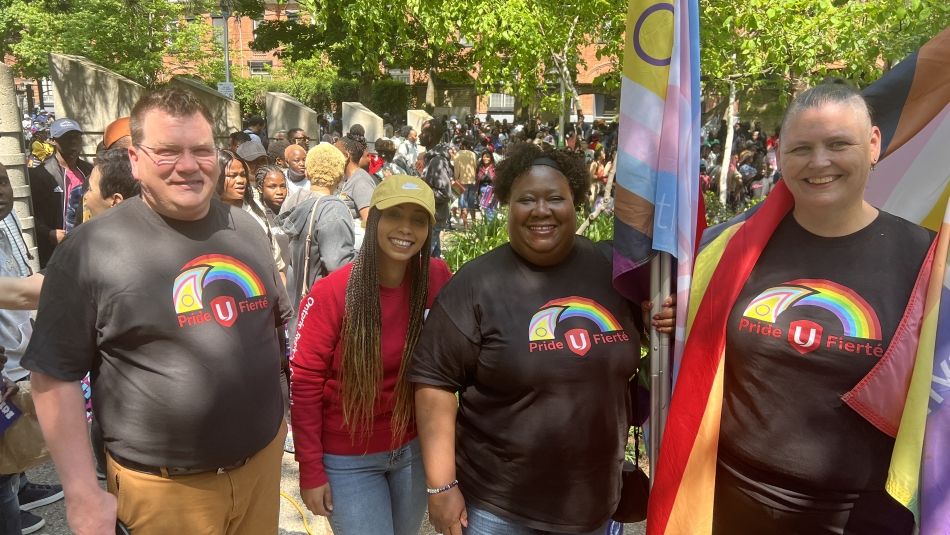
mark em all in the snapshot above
pixel 244 501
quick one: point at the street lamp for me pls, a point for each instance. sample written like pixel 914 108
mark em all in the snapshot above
pixel 225 15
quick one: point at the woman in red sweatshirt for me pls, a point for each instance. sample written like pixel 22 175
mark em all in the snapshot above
pixel 352 409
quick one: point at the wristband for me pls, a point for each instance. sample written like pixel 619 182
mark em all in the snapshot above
pixel 453 484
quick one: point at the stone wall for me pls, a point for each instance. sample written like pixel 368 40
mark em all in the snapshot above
pixel 355 112
pixel 13 158
pixel 91 95
pixel 415 118
pixel 226 112
pixel 285 112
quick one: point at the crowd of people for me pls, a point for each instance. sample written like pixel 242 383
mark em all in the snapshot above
pixel 752 170
pixel 227 304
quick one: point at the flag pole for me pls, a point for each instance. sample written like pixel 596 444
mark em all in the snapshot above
pixel 660 274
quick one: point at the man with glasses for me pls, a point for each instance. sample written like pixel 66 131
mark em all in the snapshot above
pixel 173 302
pixel 298 137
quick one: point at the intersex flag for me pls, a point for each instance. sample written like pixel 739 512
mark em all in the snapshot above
pixel 657 195
pixel 911 105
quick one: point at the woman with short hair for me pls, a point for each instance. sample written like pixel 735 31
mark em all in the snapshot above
pixel 798 307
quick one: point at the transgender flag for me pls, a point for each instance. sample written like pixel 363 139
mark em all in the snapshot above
pixel 657 196
pixel 911 106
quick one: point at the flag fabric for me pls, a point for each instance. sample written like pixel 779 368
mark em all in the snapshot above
pixel 919 474
pixel 911 105
pixel 657 188
pixel 681 500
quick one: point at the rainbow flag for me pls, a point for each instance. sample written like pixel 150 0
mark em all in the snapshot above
pixel 911 105
pixel 919 474
pixel 893 397
pixel 657 195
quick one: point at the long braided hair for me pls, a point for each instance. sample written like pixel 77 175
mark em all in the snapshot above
pixel 362 367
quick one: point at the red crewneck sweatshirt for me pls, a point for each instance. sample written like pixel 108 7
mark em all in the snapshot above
pixel 316 406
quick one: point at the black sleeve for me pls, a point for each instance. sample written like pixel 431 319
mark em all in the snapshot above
pixel 40 191
pixel 63 344
pixel 445 355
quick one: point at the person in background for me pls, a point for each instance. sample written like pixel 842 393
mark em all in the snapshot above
pixel 464 173
pixel 255 155
pixel 111 182
pixel 236 138
pixel 485 181
pixel 387 151
pixel 235 187
pixel 318 224
pixel 296 158
pixel 357 186
pixel 297 136
pixel 275 153
pixel 52 183
pixel 272 187
pixel 408 150
pixel 256 129
pixel 438 175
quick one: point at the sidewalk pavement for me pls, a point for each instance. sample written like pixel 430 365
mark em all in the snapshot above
pixel 291 522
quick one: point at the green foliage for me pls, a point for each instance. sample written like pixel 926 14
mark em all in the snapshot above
pixel 481 237
pixel 484 236
pixel 717 212
pixel 601 228
pixel 401 34
pixel 312 81
pixel 131 38
pixel 344 90
pixel 390 96
pixel 794 43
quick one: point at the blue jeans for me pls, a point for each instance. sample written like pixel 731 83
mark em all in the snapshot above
pixel 482 522
pixel 377 493
pixel 9 504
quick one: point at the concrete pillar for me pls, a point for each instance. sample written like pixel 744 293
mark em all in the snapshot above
pixel 13 158
pixel 355 112
pixel 285 112
pixel 90 94
pixel 225 111
pixel 415 118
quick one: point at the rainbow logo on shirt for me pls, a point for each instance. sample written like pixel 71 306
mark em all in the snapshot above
pixel 196 275
pixel 860 326
pixel 855 314
pixel 541 331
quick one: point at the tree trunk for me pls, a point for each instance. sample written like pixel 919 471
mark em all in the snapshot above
pixel 430 89
pixel 366 89
pixel 727 149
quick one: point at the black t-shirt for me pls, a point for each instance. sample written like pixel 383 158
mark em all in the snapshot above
pixel 542 359
pixel 814 317
pixel 176 320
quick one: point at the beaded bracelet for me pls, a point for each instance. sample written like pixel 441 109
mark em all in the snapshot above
pixel 442 489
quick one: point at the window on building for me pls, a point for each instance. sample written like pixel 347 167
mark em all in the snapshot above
pixel 260 68
pixel 501 102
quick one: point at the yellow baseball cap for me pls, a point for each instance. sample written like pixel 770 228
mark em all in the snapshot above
pixel 401 189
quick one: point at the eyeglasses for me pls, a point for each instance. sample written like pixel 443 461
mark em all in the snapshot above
pixel 304 138
pixel 167 157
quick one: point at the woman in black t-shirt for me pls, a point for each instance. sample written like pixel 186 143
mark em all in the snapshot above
pixel 814 316
pixel 540 349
